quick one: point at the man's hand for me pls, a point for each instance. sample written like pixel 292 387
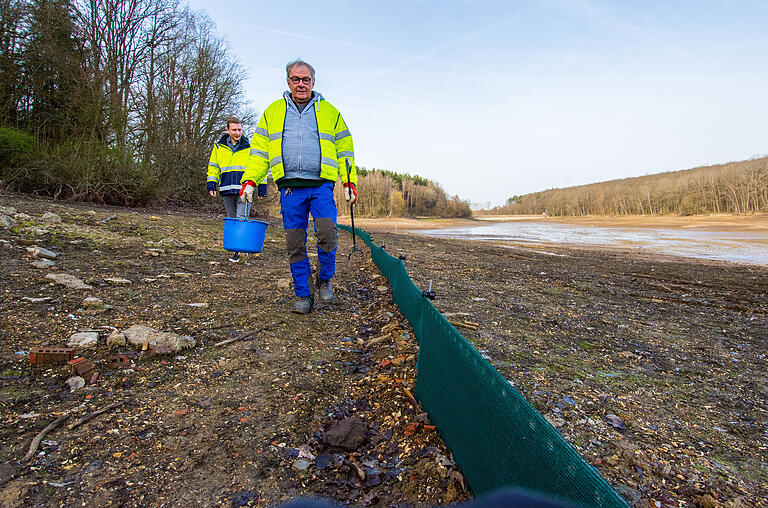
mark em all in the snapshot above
pixel 211 188
pixel 212 193
pixel 262 190
pixel 246 191
pixel 350 193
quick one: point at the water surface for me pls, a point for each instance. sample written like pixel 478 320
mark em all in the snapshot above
pixel 735 246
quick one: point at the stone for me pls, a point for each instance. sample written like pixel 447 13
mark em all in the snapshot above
pixel 283 284
pixel 7 222
pixel 40 252
pixel 348 433
pixel 382 289
pixel 631 495
pixel 138 335
pixel 67 280
pixel 75 383
pixel 22 216
pixel 83 340
pixel 7 470
pixel 305 452
pixel 51 217
pixel 8 210
pixel 301 465
pixel 43 263
pixel 116 339
pixel 93 302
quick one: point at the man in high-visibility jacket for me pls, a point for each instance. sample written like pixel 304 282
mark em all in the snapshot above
pixel 303 140
pixel 225 168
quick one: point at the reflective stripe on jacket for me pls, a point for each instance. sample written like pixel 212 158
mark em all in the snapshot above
pixel 334 138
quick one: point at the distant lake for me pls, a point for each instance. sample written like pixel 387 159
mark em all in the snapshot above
pixel 735 246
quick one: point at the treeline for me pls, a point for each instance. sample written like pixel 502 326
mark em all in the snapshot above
pixel 385 193
pixel 736 187
pixel 113 101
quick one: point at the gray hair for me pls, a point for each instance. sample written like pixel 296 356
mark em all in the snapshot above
pixel 297 63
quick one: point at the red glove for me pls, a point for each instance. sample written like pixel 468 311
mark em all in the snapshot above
pixel 246 191
pixel 350 193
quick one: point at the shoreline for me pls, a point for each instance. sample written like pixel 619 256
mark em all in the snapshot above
pixel 720 222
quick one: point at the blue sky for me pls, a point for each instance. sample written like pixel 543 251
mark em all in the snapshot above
pixel 496 98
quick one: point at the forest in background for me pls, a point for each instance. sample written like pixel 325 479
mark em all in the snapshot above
pixel 114 101
pixel 120 102
pixel 735 187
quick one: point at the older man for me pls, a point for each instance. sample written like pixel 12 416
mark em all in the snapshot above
pixel 304 141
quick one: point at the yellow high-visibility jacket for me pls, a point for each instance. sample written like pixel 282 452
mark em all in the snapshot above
pixel 226 166
pixel 267 144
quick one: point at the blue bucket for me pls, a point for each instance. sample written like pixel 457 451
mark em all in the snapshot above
pixel 244 235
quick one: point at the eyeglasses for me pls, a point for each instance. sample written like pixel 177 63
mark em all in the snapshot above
pixel 296 80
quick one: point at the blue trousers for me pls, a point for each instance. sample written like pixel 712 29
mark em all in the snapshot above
pixel 296 204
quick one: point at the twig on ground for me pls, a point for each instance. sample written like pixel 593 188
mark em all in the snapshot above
pixel 376 340
pixel 39 437
pixel 463 325
pixel 94 414
pixel 246 335
pixel 410 396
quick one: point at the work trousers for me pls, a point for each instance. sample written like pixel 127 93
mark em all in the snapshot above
pixel 234 207
pixel 296 204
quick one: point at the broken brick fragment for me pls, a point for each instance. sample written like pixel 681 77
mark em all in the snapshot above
pixel 412 428
pixel 82 367
pixel 50 356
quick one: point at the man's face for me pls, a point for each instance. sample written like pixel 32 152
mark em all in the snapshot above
pixel 235 131
pixel 300 82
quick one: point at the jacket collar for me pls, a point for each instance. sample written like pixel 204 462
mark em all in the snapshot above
pixel 241 143
pixel 316 97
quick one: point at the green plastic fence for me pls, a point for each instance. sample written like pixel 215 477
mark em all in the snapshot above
pixel 497 438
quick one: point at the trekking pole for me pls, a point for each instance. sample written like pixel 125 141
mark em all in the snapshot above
pixel 352 217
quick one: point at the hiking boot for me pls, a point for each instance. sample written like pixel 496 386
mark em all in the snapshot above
pixel 235 257
pixel 303 304
pixel 325 292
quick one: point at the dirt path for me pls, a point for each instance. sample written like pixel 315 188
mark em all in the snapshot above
pixel 653 368
pixel 241 423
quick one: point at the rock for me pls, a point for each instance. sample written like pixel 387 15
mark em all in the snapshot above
pixel 67 280
pixel 7 210
pixel 7 470
pixel 631 495
pixel 75 383
pixel 382 289
pixel 93 302
pixel 614 421
pixel 83 340
pixel 348 433
pixel 40 252
pixel 51 217
pixel 201 305
pixel 324 461
pixel 301 464
pixel 305 452
pixel 244 498
pixel 43 263
pixel 555 420
pixel 116 339
pixel 140 334
pixel 21 216
pixel 7 222
pixel 283 284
